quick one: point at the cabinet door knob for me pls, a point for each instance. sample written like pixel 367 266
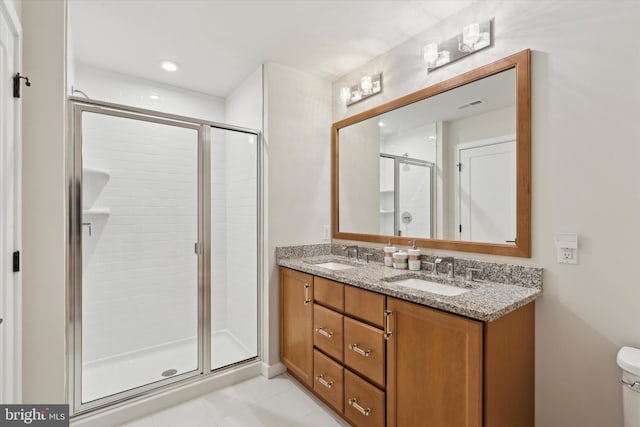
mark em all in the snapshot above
pixel 324 333
pixel 364 411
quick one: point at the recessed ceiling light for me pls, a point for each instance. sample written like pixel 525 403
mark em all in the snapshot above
pixel 380 124
pixel 154 97
pixel 169 66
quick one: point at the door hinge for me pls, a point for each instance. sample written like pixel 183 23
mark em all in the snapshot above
pixel 16 84
pixel 16 261
pixel 460 228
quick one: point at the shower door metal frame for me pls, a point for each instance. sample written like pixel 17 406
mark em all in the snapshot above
pixel 77 106
pixel 397 161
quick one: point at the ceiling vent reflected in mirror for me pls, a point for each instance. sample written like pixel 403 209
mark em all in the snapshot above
pixel 471 104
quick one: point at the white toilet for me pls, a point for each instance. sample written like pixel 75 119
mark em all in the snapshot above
pixel 629 360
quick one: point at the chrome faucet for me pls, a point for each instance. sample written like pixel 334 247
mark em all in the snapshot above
pixel 451 265
pixel 346 249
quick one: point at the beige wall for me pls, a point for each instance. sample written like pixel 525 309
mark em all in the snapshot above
pixel 43 202
pixel 297 172
pixel 360 183
pixel 585 179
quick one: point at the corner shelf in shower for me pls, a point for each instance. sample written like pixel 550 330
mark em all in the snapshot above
pixel 97 213
pixel 93 182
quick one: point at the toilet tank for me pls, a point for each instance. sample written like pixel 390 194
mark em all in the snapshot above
pixel 629 360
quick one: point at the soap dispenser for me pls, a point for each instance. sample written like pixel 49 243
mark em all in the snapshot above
pixel 400 260
pixel 414 257
pixel 388 254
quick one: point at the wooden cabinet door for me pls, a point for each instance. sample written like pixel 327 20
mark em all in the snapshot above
pixel 296 323
pixel 434 368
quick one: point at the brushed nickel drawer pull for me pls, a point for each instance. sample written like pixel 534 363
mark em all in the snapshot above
pixel 321 380
pixel 307 300
pixel 363 411
pixel 324 333
pixel 361 352
pixel 387 327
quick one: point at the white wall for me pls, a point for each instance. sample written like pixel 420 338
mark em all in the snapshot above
pixel 43 203
pixel 297 140
pixel 584 116
pixel 105 85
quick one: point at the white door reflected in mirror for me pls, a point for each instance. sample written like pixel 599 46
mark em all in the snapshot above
pixel 486 190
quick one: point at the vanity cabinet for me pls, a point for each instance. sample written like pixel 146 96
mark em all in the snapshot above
pixel 296 323
pixel 433 369
pixel 445 369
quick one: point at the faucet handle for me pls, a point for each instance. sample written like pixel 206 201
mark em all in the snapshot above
pixel 450 271
pixel 433 267
pixel 468 273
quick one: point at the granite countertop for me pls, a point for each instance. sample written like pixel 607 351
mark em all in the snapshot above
pixel 486 301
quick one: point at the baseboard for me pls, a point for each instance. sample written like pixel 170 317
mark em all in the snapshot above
pixel 270 371
pixel 128 411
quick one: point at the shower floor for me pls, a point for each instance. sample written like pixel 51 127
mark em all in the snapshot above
pixel 120 373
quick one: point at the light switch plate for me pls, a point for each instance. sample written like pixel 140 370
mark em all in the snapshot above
pixel 326 236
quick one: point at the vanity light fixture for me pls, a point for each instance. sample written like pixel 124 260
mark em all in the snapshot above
pixel 369 85
pixel 474 37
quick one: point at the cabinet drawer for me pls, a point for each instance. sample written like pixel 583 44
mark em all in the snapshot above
pixel 364 350
pixel 363 402
pixel 329 293
pixel 366 305
pixel 328 380
pixel 328 333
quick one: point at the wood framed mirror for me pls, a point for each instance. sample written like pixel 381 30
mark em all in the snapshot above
pixel 448 166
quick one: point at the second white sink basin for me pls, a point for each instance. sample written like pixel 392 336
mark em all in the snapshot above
pixel 433 287
pixel 334 265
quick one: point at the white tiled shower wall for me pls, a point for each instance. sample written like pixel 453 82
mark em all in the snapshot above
pixel 140 270
pixel 154 302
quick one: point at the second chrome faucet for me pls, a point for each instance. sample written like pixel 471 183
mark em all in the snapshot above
pixel 450 263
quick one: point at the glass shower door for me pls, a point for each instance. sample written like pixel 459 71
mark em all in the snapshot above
pixel 234 247
pixel 415 195
pixel 140 288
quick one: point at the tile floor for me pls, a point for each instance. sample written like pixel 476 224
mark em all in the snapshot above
pixel 258 402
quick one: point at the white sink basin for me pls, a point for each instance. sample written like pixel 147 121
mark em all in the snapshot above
pixel 334 265
pixel 433 287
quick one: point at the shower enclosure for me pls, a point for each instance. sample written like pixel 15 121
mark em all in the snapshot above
pixel 406 196
pixel 163 250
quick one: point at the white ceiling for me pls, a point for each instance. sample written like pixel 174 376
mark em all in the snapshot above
pixel 218 43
